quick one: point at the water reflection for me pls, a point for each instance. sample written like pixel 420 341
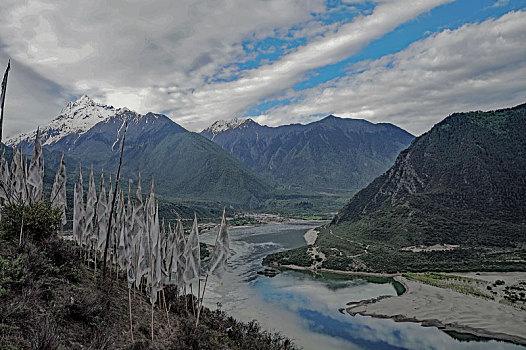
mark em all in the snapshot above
pixel 305 307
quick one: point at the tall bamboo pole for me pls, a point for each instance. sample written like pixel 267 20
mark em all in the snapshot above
pixel 192 294
pixel 2 97
pixel 131 321
pixel 152 322
pixel 200 306
pixel 166 308
pixel 113 202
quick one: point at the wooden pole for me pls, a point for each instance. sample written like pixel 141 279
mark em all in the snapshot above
pixel 166 309
pixel 192 294
pixel 96 246
pixel 200 306
pixel 111 268
pixel 113 200
pixel 21 228
pixel 89 253
pixel 185 301
pixel 152 322
pixel 2 101
pixel 131 321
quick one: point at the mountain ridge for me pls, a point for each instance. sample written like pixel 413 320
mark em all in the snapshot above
pixel 330 154
pixel 185 165
pixel 458 188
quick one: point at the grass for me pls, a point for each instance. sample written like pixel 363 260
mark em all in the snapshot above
pixel 464 285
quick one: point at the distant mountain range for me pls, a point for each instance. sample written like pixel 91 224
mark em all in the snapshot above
pixel 293 168
pixel 454 200
pixel 331 154
pixel 185 165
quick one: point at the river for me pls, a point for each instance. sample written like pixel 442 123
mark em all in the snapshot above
pixel 305 307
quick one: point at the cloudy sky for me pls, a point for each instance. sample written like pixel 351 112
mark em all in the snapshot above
pixel 408 62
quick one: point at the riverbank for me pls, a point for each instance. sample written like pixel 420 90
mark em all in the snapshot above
pixel 261 220
pixel 451 310
pixel 477 304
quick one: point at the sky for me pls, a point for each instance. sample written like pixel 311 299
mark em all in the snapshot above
pixel 406 62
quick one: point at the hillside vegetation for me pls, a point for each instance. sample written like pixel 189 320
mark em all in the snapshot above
pixel 50 299
pixel 454 200
pixel 184 164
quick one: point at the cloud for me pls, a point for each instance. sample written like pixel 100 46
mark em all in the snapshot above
pixel 477 66
pixel 118 48
pixel 215 101
pixel 499 3
pixel 160 55
pixel 28 94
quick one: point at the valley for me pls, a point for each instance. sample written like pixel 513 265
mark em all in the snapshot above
pixel 263 175
pixel 423 225
pixel 459 186
pixel 335 157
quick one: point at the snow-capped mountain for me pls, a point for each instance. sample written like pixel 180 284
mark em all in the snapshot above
pixel 221 126
pixel 75 119
pixel 183 164
pixel 79 118
pixel 332 153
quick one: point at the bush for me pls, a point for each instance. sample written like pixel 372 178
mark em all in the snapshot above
pixel 40 220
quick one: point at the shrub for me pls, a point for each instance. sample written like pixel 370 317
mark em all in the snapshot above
pixel 40 220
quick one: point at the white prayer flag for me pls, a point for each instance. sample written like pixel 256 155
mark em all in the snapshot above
pixel 180 244
pixel 192 255
pixel 139 225
pixel 218 261
pixel 102 217
pixel 91 201
pixel 79 221
pixel 35 176
pixel 58 193
pixel 5 183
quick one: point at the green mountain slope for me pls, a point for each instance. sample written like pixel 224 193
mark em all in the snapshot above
pixel 462 184
pixel 185 165
pixel 332 154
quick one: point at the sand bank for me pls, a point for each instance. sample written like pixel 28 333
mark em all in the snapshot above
pixel 450 310
pixel 310 236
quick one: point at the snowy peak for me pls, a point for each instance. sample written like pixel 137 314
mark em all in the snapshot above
pixel 83 101
pixel 76 118
pixel 221 126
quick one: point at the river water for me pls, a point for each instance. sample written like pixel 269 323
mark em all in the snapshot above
pixel 305 307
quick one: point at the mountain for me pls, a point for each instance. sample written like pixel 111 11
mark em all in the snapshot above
pixel 332 154
pixel 185 165
pixel 454 200
pixel 74 120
